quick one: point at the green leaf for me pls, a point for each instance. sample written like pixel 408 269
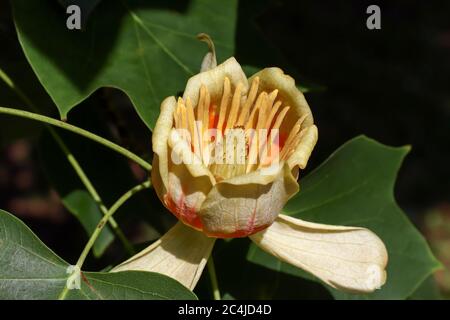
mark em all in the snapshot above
pixel 30 270
pixel 354 187
pixel 147 49
pixel 428 290
pixel 81 204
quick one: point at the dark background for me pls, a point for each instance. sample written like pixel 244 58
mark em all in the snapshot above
pixel 390 84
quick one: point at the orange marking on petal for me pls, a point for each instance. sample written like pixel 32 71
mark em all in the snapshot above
pixel 187 215
pixel 282 140
pixel 213 116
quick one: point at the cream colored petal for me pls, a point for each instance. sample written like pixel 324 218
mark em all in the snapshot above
pixel 347 258
pixel 182 155
pixel 180 254
pixel 164 124
pixel 189 181
pixel 158 184
pixel 304 148
pixel 213 79
pixel 246 204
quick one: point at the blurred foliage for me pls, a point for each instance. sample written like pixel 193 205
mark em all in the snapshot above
pixel 428 290
pixel 437 230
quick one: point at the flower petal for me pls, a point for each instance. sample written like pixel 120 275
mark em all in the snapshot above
pixel 213 80
pixel 304 148
pixel 346 258
pixel 246 204
pixel 161 133
pixel 181 254
pixel 182 155
pixel 189 181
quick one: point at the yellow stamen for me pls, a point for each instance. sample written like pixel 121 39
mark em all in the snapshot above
pixel 176 117
pixel 193 130
pixel 234 107
pixel 272 97
pixel 250 120
pixel 224 103
pixel 183 119
pixel 205 119
pixel 262 114
pixel 293 138
pixel 249 102
pixel 280 118
pixel 201 102
pixel 272 114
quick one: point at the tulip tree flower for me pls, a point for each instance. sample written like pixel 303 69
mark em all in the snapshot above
pixel 221 189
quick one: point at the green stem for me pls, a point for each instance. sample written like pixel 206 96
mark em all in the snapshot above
pixel 92 191
pixel 213 277
pixel 105 218
pixel 17 90
pixel 63 125
pixel 74 162
pixel 100 226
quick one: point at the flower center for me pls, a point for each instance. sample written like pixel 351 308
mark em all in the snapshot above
pixel 237 134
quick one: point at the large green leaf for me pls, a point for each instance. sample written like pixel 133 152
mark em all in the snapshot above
pixel 30 270
pixel 354 186
pixel 148 49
